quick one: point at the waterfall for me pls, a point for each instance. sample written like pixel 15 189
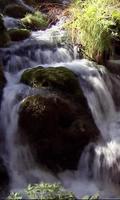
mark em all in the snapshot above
pixel 99 165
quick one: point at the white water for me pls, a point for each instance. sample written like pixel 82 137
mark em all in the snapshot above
pixel 99 166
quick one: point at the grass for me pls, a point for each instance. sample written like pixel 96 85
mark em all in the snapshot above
pixel 94 23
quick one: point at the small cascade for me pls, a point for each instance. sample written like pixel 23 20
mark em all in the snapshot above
pixel 102 161
pixel 99 163
pixel 43 47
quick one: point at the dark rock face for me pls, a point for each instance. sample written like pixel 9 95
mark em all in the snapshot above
pixel 16 11
pixel 4 36
pixel 59 125
pixel 18 34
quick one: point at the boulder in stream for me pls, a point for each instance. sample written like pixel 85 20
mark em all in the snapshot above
pixel 57 125
pixel 18 34
pixel 16 10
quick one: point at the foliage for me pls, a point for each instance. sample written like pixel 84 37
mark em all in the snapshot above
pixel 94 23
pixel 43 191
pixel 35 21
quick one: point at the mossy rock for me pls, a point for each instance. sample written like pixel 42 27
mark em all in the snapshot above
pixel 4 39
pixel 35 21
pixel 56 130
pixel 59 78
pixel 56 124
pixel 18 34
pixel 16 11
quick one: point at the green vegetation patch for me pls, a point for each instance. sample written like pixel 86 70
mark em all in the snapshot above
pixel 35 21
pixel 94 24
pixel 43 191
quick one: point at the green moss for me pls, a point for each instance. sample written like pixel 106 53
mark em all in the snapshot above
pixel 18 34
pixel 44 191
pixel 35 21
pixel 59 78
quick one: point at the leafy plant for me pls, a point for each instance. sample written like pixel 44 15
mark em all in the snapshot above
pixel 43 191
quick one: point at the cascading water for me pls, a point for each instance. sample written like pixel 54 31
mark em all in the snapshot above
pixel 99 165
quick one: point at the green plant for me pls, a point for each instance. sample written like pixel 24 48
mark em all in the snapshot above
pixel 35 21
pixel 93 23
pixel 43 191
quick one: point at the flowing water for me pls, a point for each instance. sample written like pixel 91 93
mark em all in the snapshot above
pixel 99 165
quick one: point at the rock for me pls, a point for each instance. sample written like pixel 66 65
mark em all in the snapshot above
pixel 4 3
pixel 60 79
pixel 18 34
pixel 4 36
pixel 58 125
pixel 16 11
pixel 55 131
pixel 4 39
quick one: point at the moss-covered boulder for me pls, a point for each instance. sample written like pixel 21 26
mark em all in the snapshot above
pixel 35 21
pixel 56 124
pixel 16 11
pixel 55 130
pixel 60 79
pixel 18 34
pixel 4 36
